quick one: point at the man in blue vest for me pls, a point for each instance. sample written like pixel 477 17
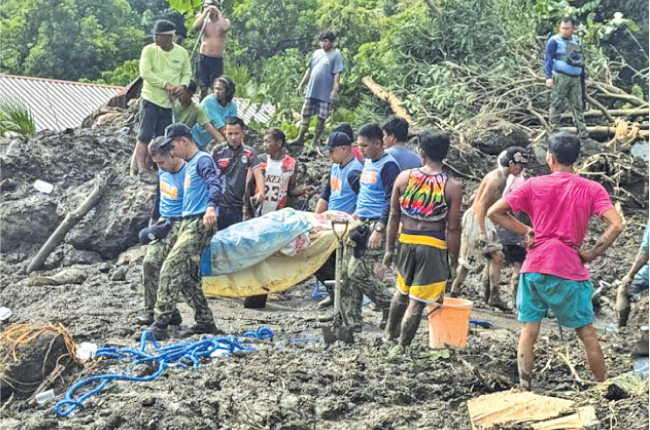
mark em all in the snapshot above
pixel 366 246
pixel 180 271
pixel 166 214
pixel 339 194
pixel 564 66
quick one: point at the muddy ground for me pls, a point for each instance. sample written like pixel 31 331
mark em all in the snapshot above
pixel 92 285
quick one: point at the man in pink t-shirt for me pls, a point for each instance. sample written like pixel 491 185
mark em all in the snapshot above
pixel 553 275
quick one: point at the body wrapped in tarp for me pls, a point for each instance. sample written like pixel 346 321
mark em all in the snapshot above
pixel 247 243
pixel 278 271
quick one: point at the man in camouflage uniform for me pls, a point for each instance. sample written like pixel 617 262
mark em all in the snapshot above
pixel 166 214
pixel 365 249
pixel 564 67
pixel 180 271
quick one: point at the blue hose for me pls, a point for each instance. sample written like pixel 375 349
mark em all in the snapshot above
pixel 177 354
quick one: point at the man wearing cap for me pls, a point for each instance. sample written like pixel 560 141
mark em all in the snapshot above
pixel 480 242
pixel 215 26
pixel 180 271
pixel 365 250
pixel 166 215
pixel 339 194
pixel 165 70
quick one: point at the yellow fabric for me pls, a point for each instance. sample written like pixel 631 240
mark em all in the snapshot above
pixel 278 272
pixel 413 239
pixel 424 293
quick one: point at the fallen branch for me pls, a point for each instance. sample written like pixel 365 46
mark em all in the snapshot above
pixel 103 181
pixel 384 94
pixel 602 129
pixel 571 368
pixel 602 108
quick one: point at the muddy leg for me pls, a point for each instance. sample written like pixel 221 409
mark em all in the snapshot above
pixel 526 354
pixel 411 322
pixel 496 262
pixel 589 338
pixel 397 309
pixel 514 282
pixel 458 282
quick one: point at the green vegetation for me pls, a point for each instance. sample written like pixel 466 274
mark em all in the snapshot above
pixel 15 117
pixel 449 61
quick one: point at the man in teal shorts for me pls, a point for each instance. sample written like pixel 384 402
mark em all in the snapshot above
pixel 553 275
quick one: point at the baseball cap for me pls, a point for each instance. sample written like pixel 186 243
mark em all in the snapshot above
pixel 337 138
pixel 174 131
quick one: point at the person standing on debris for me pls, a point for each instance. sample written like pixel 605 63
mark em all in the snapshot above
pixel 396 132
pixel 190 113
pixel 213 27
pixel 180 270
pixel 234 161
pixel 565 67
pixel 219 107
pixel 553 275
pixel 365 250
pixel 339 193
pixel 165 70
pixel 324 76
pixel 427 203
pixel 480 241
pixel 635 281
pixel 166 215
pixel 279 173
pixel 513 250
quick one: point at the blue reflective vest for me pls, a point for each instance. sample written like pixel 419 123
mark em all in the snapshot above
pixel 559 60
pixel 370 203
pixel 342 196
pixel 196 194
pixel 170 204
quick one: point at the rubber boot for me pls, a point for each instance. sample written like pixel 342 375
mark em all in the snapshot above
pixel 300 140
pixel 255 302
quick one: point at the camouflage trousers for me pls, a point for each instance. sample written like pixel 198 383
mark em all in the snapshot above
pixel 157 251
pixel 180 274
pixel 359 279
pixel 566 93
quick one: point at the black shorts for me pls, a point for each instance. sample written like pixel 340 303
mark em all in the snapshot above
pixel 514 253
pixel 153 120
pixel 209 69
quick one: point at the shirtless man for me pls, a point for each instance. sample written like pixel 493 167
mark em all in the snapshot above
pixel 213 44
pixel 480 240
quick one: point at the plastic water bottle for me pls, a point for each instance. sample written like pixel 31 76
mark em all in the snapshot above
pixel 86 351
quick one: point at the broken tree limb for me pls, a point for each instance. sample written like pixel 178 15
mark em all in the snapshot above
pixel 612 113
pixel 602 129
pixel 600 106
pixel 387 96
pixel 103 180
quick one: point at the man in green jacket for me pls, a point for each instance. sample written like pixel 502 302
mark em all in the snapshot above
pixel 165 70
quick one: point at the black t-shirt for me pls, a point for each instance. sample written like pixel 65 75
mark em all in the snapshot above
pixel 233 165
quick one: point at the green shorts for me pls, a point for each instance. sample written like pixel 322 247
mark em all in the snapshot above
pixel 569 300
pixel 422 267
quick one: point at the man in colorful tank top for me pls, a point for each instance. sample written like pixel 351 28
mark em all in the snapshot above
pixel 427 203
pixel 480 241
pixel 180 274
pixel 373 207
pixel 166 213
pixel 564 66
pixel 554 275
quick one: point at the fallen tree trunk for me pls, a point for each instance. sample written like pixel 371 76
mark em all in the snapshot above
pixel 602 129
pixel 612 112
pixel 384 94
pixel 71 219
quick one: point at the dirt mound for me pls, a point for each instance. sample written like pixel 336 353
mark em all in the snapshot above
pixel 70 161
pixel 492 135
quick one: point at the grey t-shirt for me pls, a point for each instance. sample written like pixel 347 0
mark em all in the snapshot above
pixel 406 158
pixel 323 66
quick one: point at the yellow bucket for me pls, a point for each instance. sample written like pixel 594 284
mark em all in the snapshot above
pixel 449 324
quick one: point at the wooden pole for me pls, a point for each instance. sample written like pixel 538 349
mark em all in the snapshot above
pixel 72 218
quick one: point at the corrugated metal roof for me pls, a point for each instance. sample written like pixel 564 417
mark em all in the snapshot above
pixel 56 105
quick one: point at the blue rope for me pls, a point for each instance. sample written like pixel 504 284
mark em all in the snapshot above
pixel 176 354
